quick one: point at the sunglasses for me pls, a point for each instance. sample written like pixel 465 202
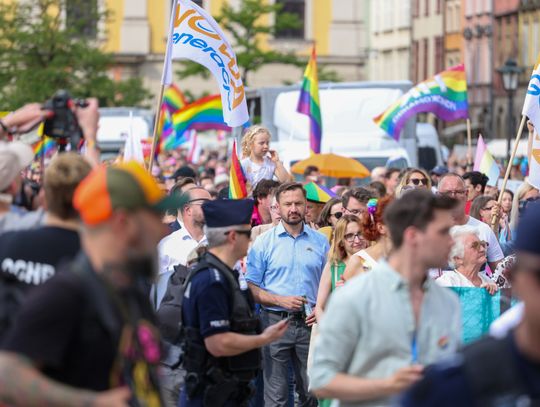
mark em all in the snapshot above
pixel 479 244
pixel 198 201
pixel 337 215
pixel 246 233
pixel 418 181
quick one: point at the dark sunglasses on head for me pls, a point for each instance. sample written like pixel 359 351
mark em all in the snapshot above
pixel 337 215
pixel 418 181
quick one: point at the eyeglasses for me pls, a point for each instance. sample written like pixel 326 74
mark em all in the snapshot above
pixel 418 181
pixel 457 192
pixel 479 244
pixel 349 237
pixel 337 215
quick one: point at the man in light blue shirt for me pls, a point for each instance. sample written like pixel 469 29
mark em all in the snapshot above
pixel 284 267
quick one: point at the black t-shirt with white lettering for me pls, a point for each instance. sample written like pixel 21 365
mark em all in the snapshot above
pixel 31 257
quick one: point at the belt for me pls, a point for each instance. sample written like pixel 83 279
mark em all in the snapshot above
pixel 286 314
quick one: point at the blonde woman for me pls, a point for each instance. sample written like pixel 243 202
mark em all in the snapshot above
pixel 413 178
pixel 259 162
pixel 347 241
pixel 525 193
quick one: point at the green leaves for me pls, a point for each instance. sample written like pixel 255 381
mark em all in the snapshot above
pixel 43 50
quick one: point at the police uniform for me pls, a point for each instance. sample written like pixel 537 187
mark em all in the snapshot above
pixel 217 300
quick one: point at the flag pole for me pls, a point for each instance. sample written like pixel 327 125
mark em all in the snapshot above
pixel 495 218
pixel 469 146
pixel 156 123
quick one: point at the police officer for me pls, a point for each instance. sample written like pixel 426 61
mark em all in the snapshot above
pixel 503 372
pixel 221 335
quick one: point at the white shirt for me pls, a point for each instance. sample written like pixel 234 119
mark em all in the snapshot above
pixel 452 278
pixel 494 252
pixel 173 250
pixel 257 172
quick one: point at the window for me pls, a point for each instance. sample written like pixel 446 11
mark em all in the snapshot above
pixel 404 19
pixel 426 11
pixel 439 52
pixel 438 6
pixel 415 65
pixel 296 7
pixel 82 16
pixel 425 60
pixel 416 8
pixel 525 44
pixel 535 34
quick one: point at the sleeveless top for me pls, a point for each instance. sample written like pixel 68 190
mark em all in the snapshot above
pixel 369 262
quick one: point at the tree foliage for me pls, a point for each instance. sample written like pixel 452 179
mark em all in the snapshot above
pixel 246 26
pixel 46 45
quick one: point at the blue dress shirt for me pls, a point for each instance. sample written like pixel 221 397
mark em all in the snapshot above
pixel 284 265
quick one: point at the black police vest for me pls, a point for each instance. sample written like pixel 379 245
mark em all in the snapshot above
pixel 196 358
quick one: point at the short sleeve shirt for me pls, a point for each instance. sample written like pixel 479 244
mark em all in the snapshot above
pixel 257 172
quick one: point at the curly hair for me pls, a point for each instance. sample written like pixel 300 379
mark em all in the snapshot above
pixel 370 222
pixel 249 137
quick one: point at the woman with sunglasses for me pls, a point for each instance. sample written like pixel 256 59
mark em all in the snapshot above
pixel 347 241
pixel 413 178
pixel 467 256
pixel 374 231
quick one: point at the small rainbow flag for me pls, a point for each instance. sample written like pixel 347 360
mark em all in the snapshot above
pixel 173 99
pixel 44 147
pixel 485 163
pixel 308 103
pixel 444 95
pixel 237 180
pixel 203 114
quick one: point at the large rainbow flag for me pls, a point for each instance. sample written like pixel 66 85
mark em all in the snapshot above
pixel 173 99
pixel 308 103
pixel 203 114
pixel 444 95
pixel 237 180
pixel 485 163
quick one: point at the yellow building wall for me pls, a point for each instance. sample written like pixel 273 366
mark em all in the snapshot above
pixel 528 17
pixel 113 25
pixel 158 25
pixel 322 19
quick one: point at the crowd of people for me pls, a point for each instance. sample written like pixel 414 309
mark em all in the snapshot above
pixel 123 287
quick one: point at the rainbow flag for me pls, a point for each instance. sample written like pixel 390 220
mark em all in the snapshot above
pixel 237 180
pixel 308 103
pixel 485 163
pixel 203 114
pixel 444 95
pixel 173 99
pixel 44 147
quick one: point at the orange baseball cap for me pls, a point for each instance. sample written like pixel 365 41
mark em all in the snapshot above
pixel 127 185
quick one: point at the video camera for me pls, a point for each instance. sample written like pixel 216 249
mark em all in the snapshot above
pixel 63 125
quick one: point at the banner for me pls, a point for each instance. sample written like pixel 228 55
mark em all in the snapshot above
pixel 195 35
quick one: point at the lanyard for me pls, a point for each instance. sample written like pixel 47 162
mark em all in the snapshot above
pixel 414 349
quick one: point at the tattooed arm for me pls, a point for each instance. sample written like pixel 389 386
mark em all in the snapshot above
pixel 21 384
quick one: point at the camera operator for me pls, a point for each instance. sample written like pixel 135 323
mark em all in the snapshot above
pixel 22 121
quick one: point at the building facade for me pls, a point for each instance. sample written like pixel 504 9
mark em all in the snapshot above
pixel 453 37
pixel 478 58
pixel 136 34
pixel 390 40
pixel 505 46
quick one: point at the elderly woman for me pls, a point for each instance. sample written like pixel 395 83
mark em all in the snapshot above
pixel 467 257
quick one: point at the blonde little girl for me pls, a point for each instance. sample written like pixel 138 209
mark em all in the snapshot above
pixel 259 162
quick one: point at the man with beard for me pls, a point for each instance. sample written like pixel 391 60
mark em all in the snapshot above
pixel 86 336
pixel 284 267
